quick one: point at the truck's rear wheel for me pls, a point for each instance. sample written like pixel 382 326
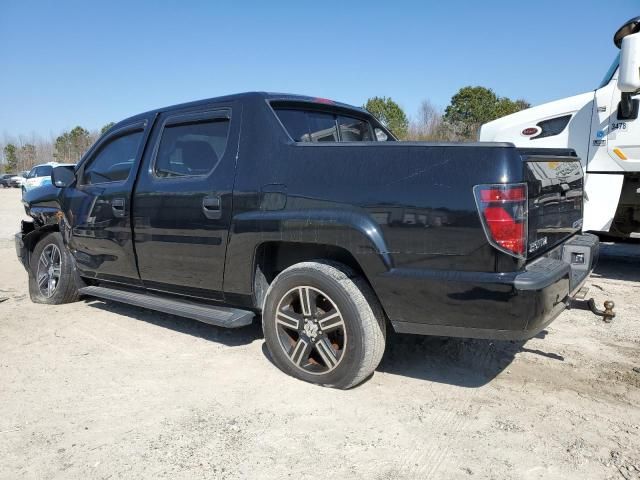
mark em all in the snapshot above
pixel 323 324
pixel 51 279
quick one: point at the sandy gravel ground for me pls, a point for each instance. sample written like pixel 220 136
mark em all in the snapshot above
pixel 95 390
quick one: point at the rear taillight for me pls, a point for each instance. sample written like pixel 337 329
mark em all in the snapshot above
pixel 503 212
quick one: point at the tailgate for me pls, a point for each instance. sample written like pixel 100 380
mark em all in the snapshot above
pixel 555 191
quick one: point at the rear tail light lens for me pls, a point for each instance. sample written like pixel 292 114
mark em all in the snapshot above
pixel 503 212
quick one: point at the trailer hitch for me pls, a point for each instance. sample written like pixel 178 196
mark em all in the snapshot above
pixel 607 314
pixel 580 303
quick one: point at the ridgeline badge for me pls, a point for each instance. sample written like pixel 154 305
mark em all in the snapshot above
pixel 541 242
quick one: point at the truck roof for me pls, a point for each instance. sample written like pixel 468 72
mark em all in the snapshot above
pixel 288 97
pixel 249 96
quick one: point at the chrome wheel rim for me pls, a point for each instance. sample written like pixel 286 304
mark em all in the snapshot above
pixel 49 270
pixel 311 330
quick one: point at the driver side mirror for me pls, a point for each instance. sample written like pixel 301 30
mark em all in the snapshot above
pixel 629 75
pixel 63 176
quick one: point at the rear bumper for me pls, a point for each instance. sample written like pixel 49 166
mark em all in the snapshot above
pixel 509 306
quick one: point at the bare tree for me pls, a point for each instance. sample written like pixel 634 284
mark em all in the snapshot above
pixel 427 125
pixel 430 117
pixel 430 126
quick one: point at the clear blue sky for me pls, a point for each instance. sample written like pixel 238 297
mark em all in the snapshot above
pixel 65 63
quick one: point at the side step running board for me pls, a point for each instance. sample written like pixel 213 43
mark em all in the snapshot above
pixel 214 315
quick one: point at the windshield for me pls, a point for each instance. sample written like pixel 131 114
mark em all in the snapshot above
pixel 610 72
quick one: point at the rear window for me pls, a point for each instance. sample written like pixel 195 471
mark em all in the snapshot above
pixel 354 130
pixel 316 126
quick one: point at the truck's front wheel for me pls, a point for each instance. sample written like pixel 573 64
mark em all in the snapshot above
pixel 323 324
pixel 51 279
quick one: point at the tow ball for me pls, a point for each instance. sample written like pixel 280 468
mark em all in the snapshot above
pixel 580 303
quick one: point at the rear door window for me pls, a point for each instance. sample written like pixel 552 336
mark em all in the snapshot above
pixel 191 148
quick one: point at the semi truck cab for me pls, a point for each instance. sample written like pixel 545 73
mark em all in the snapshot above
pixel 603 127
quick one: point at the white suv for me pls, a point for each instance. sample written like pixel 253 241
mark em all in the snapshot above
pixel 40 175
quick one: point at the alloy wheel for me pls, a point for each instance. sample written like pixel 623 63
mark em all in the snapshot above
pixel 311 330
pixel 49 270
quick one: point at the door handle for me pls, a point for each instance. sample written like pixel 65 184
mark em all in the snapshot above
pixel 117 206
pixel 211 207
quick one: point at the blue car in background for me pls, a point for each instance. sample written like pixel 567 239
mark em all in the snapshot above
pixel 40 175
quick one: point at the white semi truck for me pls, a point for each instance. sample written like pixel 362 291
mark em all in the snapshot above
pixel 603 127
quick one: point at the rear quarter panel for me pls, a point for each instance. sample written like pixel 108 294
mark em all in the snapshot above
pixel 393 205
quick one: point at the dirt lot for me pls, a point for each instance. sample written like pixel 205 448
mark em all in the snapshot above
pixel 95 390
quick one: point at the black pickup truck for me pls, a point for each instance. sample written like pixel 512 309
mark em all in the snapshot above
pixel 309 214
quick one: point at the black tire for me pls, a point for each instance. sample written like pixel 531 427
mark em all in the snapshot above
pixel 65 289
pixel 356 337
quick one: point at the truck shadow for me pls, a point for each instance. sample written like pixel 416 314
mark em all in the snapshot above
pixel 225 336
pixel 467 363
pixel 462 362
pixel 618 264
